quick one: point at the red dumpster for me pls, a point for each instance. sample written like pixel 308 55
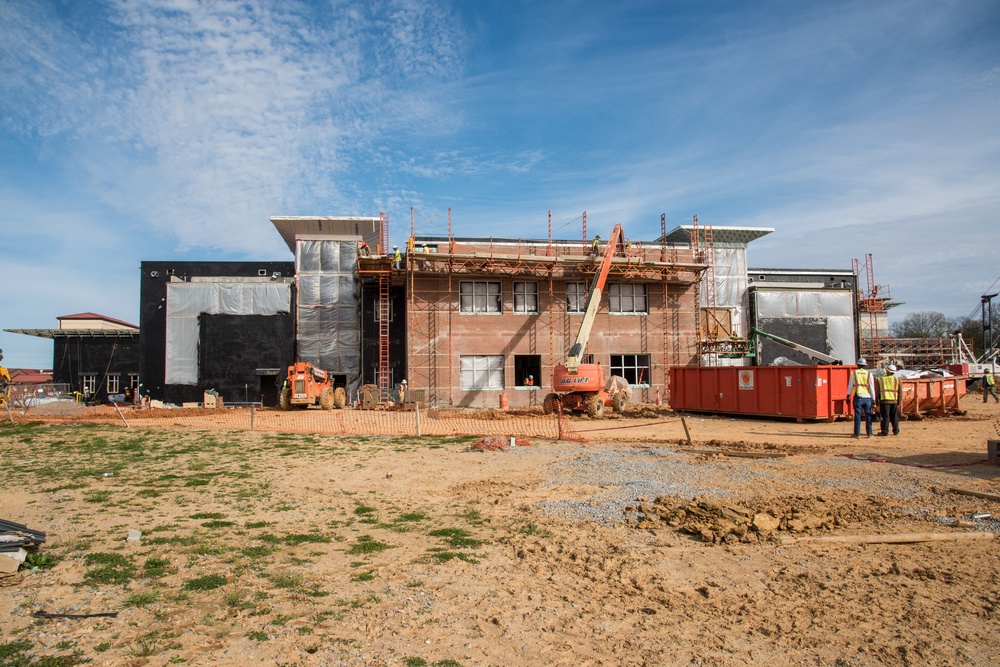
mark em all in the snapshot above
pixel 798 392
pixel 931 396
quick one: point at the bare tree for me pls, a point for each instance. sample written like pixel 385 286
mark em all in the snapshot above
pixel 924 324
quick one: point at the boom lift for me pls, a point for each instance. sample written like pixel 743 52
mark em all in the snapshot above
pixel 580 386
pixel 815 355
pixel 307 385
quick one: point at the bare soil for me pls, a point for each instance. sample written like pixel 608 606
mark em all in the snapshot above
pixel 382 550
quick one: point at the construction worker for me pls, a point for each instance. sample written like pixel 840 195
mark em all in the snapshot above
pixel 529 381
pixel 397 257
pixel 402 392
pixel 989 386
pixel 888 400
pixel 364 249
pixel 597 244
pixel 861 393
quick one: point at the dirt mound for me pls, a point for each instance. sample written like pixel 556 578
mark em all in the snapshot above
pixel 723 523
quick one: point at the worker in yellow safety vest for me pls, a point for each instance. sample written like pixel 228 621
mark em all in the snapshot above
pixel 397 257
pixel 989 386
pixel 861 394
pixel 888 400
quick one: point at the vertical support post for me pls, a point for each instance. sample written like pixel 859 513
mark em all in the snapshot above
pixel 584 232
pixel 663 237
pixel 416 413
pixel 252 418
pixel 548 250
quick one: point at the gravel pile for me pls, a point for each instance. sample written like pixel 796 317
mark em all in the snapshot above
pixel 625 474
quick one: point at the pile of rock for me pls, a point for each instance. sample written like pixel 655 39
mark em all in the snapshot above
pixel 720 523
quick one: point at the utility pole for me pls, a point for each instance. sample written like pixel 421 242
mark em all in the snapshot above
pixel 987 307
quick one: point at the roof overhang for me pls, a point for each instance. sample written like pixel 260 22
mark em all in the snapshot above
pixel 327 226
pixel 77 333
pixel 727 236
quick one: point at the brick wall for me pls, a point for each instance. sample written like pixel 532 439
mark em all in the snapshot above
pixel 438 334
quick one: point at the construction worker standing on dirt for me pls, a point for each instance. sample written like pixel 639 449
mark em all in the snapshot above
pixel 989 386
pixel 861 393
pixel 888 400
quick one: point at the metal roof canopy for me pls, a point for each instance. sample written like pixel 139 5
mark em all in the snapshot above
pixel 77 333
pixel 729 236
pixel 350 227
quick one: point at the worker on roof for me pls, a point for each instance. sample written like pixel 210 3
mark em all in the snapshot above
pixel 364 249
pixel 861 392
pixel 888 400
pixel 397 257
pixel 597 244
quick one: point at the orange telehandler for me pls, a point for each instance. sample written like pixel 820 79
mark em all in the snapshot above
pixel 579 386
pixel 307 385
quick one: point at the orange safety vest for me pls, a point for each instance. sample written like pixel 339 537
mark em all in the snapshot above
pixel 889 385
pixel 861 382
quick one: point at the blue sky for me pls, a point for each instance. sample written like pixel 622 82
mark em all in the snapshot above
pixel 136 130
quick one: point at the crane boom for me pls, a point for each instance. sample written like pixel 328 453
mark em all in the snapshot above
pixel 615 244
pixel 815 355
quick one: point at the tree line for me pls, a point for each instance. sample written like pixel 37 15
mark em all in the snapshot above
pixel 931 324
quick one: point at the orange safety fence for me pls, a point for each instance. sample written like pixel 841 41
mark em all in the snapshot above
pixel 431 422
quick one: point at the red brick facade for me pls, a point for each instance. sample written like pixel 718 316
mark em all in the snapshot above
pixel 440 334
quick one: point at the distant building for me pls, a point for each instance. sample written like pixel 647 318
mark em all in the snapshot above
pixel 93 354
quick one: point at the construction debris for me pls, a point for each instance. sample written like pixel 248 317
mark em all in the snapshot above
pixel 15 541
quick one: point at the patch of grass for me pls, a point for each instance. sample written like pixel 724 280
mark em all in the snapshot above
pixel 149 493
pixel 366 544
pixel 142 598
pixel 296 539
pixel 237 600
pixel 259 551
pixel 457 538
pixel 532 529
pixel 411 517
pixel 218 524
pixel 98 496
pixel 257 635
pixel 447 663
pixel 37 560
pixel 155 567
pixel 102 647
pixel 445 556
pixel 197 481
pixel 287 580
pixel 208 515
pixel 258 524
pixel 108 569
pixel 209 582
pixel 364 576
pixel 415 662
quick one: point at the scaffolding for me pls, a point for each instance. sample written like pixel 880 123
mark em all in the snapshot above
pixel 872 306
pixel 429 324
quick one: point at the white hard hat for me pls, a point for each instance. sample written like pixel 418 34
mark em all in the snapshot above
pixel 892 368
pixel 862 361
pixel 404 381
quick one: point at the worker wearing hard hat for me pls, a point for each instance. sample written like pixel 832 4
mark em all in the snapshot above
pixel 989 386
pixel 397 257
pixel 888 400
pixel 597 244
pixel 861 393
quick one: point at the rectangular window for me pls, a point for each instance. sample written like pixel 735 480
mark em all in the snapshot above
pixel 527 370
pixel 89 384
pixel 525 297
pixel 479 296
pixel 576 297
pixel 632 367
pixel 627 298
pixel 482 372
pixel 113 384
pixel 133 380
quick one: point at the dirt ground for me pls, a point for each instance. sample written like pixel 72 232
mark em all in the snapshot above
pixel 291 549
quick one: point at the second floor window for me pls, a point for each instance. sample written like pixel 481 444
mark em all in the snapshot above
pixel 525 297
pixel 627 298
pixel 576 297
pixel 479 296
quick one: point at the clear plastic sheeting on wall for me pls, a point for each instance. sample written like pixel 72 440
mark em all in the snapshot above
pixel 187 301
pixel 731 282
pixel 328 330
pixel 835 307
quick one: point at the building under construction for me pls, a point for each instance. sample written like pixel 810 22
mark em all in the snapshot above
pixel 475 322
